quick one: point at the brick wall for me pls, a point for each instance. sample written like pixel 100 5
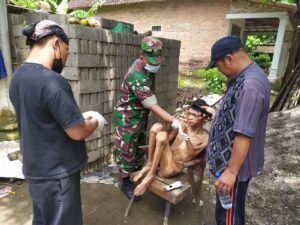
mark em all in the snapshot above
pixel 197 23
pixel 97 61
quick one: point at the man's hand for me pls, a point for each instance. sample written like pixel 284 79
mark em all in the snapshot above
pixel 226 181
pixel 95 115
pixel 210 110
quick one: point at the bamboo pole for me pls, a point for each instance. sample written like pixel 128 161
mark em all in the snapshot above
pixel 285 90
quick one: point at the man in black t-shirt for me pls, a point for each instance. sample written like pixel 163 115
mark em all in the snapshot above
pixel 52 128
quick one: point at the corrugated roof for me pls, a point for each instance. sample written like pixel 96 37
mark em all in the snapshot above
pixel 73 4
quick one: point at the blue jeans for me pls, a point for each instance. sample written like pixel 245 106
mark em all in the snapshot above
pixel 56 202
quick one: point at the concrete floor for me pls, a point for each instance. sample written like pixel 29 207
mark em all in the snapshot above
pixel 105 204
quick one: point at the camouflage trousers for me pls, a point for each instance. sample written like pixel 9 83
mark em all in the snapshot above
pixel 129 156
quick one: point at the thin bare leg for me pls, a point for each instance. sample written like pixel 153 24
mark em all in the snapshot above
pixel 142 172
pixel 161 142
pixel 157 127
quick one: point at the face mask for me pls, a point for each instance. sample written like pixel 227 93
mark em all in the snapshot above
pixel 57 65
pixel 152 69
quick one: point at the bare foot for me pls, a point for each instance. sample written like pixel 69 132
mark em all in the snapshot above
pixel 142 187
pixel 142 173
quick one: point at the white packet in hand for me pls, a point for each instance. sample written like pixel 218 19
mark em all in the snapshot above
pixel 101 121
pixel 182 135
pixel 177 125
pixel 88 115
pixel 93 114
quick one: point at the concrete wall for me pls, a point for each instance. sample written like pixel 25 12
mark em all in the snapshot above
pixel 97 62
pixel 197 23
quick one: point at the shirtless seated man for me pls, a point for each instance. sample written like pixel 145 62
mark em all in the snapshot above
pixel 170 151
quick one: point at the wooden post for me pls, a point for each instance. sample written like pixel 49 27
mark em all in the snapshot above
pixel 129 207
pixel 199 186
pixel 167 212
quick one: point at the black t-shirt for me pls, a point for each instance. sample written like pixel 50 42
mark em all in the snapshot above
pixel 45 106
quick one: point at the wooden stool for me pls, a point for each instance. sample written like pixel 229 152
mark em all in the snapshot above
pixel 191 179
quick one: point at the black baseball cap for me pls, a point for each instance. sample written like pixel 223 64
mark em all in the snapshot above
pixel 223 47
pixel 196 105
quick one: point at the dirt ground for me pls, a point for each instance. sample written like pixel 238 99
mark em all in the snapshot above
pixel 105 204
pixel 273 197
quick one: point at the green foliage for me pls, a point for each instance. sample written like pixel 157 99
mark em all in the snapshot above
pixel 80 13
pixel 283 1
pixel 214 79
pixel 264 61
pixel 181 82
pixel 252 43
pixel 191 81
pixel 56 6
pixel 259 40
pixel 30 4
pixel 52 4
pixel 210 81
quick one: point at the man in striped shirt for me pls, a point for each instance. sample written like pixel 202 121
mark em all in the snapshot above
pixel 237 135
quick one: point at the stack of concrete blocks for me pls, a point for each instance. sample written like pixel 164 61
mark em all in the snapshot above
pixel 98 60
pixel 19 49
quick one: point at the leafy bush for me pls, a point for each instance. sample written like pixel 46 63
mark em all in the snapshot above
pixel 190 81
pixel 253 41
pixel 80 13
pixel 181 82
pixel 54 6
pixel 214 79
pixel 210 81
pixel 30 4
pixel 264 61
pixel 58 6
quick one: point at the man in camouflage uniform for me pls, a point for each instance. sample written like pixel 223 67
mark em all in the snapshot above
pixel 135 101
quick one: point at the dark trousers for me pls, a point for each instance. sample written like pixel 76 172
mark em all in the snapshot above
pixel 235 215
pixel 56 202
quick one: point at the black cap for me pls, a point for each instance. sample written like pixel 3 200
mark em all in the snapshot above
pixel 223 47
pixel 196 105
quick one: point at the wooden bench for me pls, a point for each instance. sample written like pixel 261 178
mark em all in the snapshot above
pixel 191 179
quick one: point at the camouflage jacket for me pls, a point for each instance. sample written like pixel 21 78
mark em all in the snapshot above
pixel 135 97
